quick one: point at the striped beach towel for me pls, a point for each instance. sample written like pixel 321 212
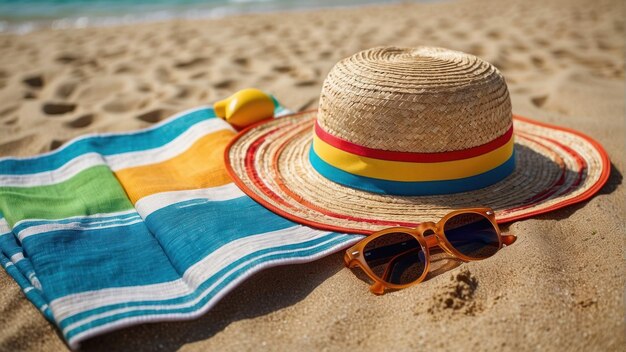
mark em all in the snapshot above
pixel 118 229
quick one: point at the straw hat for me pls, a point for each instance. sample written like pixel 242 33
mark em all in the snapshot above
pixel 405 135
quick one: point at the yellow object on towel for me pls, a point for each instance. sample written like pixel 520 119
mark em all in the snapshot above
pixel 245 107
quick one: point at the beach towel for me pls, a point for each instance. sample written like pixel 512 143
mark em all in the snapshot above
pixel 118 229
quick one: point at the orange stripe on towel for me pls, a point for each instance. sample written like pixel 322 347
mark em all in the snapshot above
pixel 200 166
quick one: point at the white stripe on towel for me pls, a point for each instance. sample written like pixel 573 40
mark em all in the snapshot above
pixel 149 204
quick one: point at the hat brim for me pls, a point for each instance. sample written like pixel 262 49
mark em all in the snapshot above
pixel 269 161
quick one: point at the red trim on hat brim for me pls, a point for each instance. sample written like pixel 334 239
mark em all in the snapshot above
pixel 356 149
pixel 604 176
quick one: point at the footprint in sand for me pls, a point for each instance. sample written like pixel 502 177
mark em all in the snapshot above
pixel 519 90
pixel 155 115
pixel 326 54
pixel 269 49
pixel 4 112
pixel 65 89
pixel 124 103
pixel 265 79
pixel 112 52
pixel 144 87
pixel 305 83
pixel 204 96
pixel 30 95
pixel 537 61
pixel 58 108
pixel 192 63
pixel 306 77
pixel 17 146
pixel 494 35
pixel 460 35
pixel 561 53
pixel 241 61
pixel 519 46
pixel 67 58
pixel 163 75
pixel 3 76
pixel 126 67
pixel 35 81
pixel 539 101
pixel 542 42
pixel 476 49
pixel 99 89
pixel 11 122
pixel 282 68
pixel 224 84
pixel 56 144
pixel 184 91
pixel 81 121
pixel 198 75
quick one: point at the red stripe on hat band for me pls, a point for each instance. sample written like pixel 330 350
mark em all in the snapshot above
pixel 408 156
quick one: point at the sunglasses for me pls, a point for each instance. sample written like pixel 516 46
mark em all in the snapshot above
pixel 399 257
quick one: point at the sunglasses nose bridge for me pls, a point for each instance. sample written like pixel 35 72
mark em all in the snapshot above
pixel 432 240
pixel 429 231
pixel 425 226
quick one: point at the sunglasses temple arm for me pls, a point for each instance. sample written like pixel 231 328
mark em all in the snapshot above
pixel 508 239
pixel 377 288
pixel 347 260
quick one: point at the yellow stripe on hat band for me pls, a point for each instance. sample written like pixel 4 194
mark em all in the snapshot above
pixel 411 171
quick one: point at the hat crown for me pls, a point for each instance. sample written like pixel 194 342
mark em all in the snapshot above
pixel 424 100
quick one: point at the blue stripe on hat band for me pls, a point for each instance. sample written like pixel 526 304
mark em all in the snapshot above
pixel 424 188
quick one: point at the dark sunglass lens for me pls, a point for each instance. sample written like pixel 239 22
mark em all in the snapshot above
pixel 472 234
pixel 395 258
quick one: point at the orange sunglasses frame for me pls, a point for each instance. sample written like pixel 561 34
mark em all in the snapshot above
pixel 354 258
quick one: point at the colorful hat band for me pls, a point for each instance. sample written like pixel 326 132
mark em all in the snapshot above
pixel 403 173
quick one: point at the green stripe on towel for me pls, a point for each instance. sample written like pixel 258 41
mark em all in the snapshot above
pixel 91 191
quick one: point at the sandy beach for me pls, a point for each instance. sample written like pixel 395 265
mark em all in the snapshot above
pixel 560 287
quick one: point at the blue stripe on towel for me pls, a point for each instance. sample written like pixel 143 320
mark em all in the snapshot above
pixel 10 248
pixel 103 258
pixel 9 245
pixel 194 293
pixel 188 240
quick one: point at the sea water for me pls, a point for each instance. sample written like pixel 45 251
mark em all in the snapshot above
pixel 26 15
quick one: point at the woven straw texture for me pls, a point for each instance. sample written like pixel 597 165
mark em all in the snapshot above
pixel 415 100
pixel 270 162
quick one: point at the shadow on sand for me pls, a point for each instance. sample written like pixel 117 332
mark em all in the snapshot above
pixel 288 285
